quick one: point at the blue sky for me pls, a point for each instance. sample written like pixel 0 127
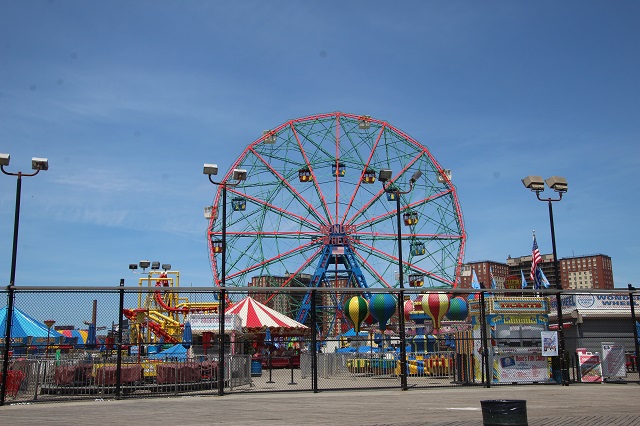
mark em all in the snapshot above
pixel 127 100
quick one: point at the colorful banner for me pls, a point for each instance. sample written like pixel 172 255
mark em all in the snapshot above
pixel 590 368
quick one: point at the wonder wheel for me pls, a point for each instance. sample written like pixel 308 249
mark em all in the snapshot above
pixel 312 213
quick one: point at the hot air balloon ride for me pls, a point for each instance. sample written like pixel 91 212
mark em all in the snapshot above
pixel 458 309
pixel 382 306
pixel 356 309
pixel 436 306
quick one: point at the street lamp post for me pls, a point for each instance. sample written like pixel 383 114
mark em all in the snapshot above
pixel 385 176
pixel 37 164
pixel 558 184
pixel 238 176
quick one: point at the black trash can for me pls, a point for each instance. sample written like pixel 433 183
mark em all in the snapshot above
pixel 500 412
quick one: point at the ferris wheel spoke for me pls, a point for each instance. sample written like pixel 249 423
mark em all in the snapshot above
pixel 273 259
pixel 368 205
pixel 372 270
pixel 407 207
pixel 289 214
pixel 290 188
pixel 314 178
pixel 407 265
pixel 297 272
pixel 359 184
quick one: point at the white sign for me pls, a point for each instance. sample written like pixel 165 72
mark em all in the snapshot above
pixel 522 368
pixel 613 360
pixel 210 323
pixel 549 343
pixel 606 301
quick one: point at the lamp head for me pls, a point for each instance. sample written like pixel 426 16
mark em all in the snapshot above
pixel 4 159
pixel 239 174
pixel 39 163
pixel 557 183
pixel 155 265
pixel 534 183
pixel 210 169
pixel 144 264
pixel 133 266
pixel 442 178
pixel 384 175
pixel 415 176
pixel 166 266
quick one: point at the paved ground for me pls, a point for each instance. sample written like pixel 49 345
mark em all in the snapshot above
pixel 547 405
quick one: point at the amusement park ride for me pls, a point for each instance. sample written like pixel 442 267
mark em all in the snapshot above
pixel 161 313
pixel 307 211
pixel 309 208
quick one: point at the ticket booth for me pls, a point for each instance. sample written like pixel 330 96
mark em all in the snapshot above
pixel 514 327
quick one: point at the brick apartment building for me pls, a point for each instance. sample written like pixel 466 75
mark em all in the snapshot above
pixel 579 272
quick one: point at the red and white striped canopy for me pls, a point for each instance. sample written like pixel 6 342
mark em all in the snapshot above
pixel 255 315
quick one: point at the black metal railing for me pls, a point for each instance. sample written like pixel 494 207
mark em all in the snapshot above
pixel 138 347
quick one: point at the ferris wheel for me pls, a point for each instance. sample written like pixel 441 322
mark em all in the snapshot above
pixel 312 213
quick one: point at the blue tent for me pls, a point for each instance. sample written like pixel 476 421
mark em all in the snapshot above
pixel 177 352
pixel 352 333
pixel 24 327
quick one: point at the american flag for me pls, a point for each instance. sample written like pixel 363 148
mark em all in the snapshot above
pixel 536 259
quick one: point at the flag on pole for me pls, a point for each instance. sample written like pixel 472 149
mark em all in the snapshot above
pixel 524 280
pixel 474 282
pixel 536 259
pixel 492 278
pixel 541 279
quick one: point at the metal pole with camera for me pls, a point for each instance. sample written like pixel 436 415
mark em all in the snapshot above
pixel 385 177
pixel 37 164
pixel 238 175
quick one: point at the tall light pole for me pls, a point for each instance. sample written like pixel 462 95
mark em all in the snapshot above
pixel 558 184
pixel 385 176
pixel 37 164
pixel 238 176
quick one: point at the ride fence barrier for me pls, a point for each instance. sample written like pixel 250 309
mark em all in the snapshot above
pixel 146 341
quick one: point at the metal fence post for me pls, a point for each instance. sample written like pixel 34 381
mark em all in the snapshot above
pixel 221 366
pixel 7 343
pixel 119 342
pixel 632 303
pixel 314 343
pixel 485 348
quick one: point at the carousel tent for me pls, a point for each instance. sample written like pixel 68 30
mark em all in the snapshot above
pixel 258 317
pixel 23 326
pixel 77 338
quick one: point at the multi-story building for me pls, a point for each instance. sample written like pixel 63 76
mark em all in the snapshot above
pixel 284 302
pixel 578 272
pixel 590 271
pixel 484 269
pixel 522 264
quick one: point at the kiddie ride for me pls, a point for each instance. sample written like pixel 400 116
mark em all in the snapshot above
pixel 159 320
pixel 161 312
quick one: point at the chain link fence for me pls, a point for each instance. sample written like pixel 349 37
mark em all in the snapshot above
pixel 157 340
